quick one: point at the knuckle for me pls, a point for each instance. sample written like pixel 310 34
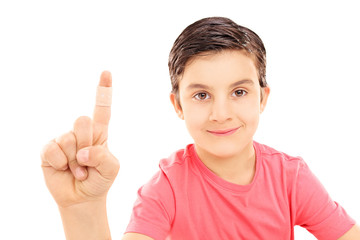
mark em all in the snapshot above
pixel 53 155
pixel 83 132
pixel 82 120
pixel 43 152
pixel 115 169
pixel 68 140
pixel 114 162
pixel 60 163
pixel 50 150
pixel 116 165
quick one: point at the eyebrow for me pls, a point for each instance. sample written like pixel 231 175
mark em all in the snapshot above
pixel 245 81
pixel 199 85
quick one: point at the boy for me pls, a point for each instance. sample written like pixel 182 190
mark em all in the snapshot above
pixel 225 185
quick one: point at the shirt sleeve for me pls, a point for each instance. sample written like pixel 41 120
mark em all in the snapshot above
pixel 315 210
pixel 153 210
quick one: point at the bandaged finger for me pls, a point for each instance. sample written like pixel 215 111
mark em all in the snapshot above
pixel 103 96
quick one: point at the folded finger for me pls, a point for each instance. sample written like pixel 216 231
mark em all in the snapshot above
pixel 83 132
pixel 52 155
pixel 67 143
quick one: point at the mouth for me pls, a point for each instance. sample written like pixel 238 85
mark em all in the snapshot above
pixel 225 132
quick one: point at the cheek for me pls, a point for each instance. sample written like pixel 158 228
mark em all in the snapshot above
pixel 249 111
pixel 195 117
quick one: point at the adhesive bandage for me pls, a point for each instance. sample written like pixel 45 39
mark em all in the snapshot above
pixel 103 96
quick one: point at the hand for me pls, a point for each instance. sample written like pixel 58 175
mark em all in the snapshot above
pixel 78 166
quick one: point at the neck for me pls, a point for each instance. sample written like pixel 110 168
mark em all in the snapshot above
pixel 238 168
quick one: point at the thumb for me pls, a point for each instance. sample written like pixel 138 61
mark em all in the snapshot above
pixel 100 158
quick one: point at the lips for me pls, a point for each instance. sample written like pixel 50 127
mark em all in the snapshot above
pixel 225 132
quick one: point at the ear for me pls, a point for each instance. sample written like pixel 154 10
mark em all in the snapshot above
pixel 265 91
pixel 176 105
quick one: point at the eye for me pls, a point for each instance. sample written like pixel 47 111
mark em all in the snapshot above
pixel 201 96
pixel 239 93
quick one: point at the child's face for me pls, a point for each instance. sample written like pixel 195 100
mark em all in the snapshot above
pixel 220 100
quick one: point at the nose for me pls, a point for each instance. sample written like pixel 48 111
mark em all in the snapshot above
pixel 220 111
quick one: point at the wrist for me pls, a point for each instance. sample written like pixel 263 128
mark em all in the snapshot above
pixel 86 220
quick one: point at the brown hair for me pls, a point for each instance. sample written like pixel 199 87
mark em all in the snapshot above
pixel 214 34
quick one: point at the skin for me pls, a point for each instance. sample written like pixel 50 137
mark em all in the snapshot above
pixel 79 168
pixel 219 92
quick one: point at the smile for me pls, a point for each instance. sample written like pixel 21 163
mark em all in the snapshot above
pixel 226 132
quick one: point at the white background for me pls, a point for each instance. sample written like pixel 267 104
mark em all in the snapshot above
pixel 53 52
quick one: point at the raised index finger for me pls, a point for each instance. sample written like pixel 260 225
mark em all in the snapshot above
pixel 102 111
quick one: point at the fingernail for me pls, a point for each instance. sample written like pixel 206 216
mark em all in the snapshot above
pixel 83 155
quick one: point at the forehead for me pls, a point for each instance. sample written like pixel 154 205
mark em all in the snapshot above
pixel 222 68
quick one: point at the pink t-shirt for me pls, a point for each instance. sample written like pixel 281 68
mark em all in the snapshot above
pixel 185 200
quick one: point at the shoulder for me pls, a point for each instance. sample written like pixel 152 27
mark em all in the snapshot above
pixel 169 168
pixel 156 198
pixel 273 157
pixel 282 167
pixel 177 161
pixel 176 158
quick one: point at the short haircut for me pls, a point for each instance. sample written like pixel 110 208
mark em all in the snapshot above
pixel 213 35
